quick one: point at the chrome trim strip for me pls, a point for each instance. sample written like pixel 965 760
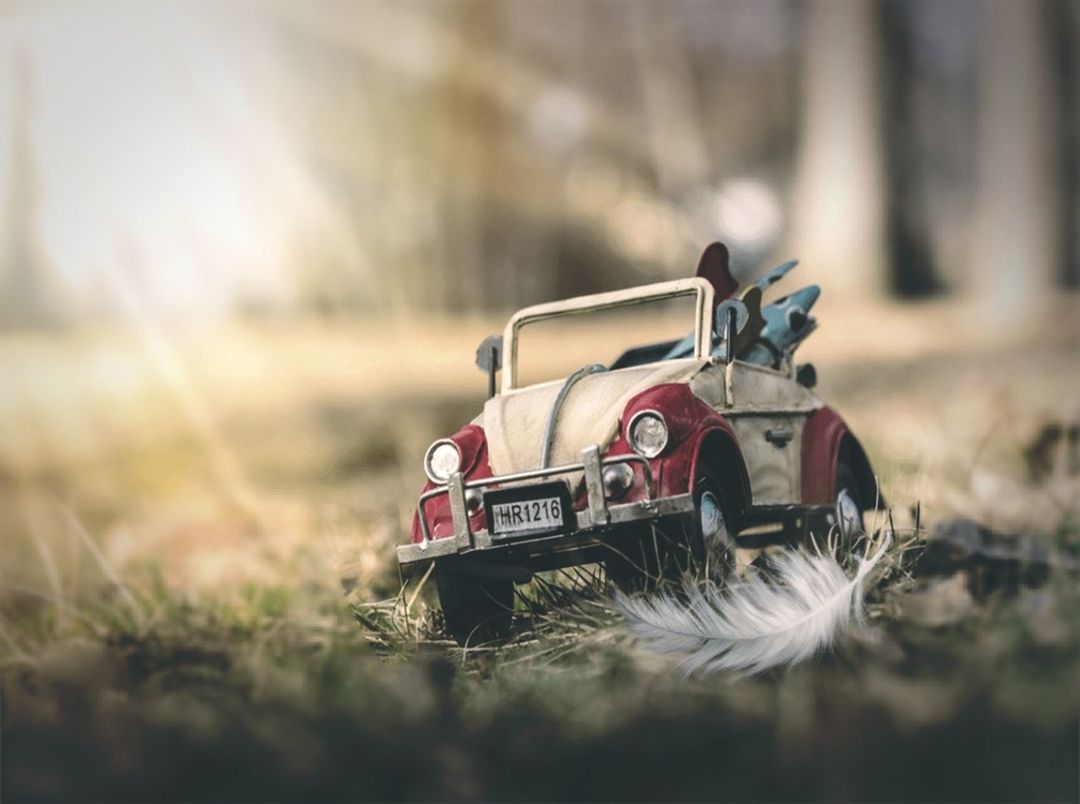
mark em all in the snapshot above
pixel 594 485
pixel 459 511
pixel 737 412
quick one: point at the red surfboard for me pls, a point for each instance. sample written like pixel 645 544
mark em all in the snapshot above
pixel 715 267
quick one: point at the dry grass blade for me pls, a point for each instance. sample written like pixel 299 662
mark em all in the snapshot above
pixel 106 568
pixel 18 655
pixel 419 587
pixel 97 628
pixel 47 560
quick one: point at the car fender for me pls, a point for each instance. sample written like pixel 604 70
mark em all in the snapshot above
pixel 720 443
pixel 473 445
pixel 826 440
pixel 700 431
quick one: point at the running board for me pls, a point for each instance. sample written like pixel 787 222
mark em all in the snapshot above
pixel 785 524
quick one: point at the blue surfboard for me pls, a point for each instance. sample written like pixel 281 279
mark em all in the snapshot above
pixel 787 324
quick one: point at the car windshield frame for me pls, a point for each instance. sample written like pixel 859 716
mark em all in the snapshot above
pixel 660 291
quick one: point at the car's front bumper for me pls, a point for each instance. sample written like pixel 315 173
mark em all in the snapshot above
pixel 597 519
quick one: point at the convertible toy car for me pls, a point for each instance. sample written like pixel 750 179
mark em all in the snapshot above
pixel 676 450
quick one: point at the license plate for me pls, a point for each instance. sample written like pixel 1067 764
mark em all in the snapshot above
pixel 530 511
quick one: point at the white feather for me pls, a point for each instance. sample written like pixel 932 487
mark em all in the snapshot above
pixel 758 623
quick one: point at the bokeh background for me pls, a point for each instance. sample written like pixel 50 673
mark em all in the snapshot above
pixel 247 250
pixel 366 159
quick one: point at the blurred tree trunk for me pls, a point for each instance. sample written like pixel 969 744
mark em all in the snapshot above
pixel 472 159
pixel 911 271
pixel 1016 248
pixel 837 226
pixel 25 290
pixel 675 134
pixel 1065 27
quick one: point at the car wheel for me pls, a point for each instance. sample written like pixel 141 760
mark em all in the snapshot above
pixel 476 610
pixel 637 562
pixel 712 533
pixel 849 508
pixel 671 548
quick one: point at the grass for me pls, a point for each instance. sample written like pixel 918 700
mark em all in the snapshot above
pixel 207 608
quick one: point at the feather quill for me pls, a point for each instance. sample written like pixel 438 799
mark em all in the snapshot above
pixel 758 623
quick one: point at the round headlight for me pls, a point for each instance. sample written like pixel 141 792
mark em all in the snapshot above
pixel 443 458
pixel 647 433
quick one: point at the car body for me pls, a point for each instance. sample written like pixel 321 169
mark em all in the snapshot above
pixel 589 468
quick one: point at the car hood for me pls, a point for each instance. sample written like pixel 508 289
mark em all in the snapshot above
pixel 514 423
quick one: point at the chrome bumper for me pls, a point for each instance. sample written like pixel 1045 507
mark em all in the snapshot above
pixel 596 516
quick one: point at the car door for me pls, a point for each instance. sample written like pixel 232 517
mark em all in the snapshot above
pixel 768 411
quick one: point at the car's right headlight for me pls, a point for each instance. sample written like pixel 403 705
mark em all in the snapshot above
pixel 647 433
pixel 441 460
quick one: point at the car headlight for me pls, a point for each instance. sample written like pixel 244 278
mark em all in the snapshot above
pixel 442 459
pixel 647 433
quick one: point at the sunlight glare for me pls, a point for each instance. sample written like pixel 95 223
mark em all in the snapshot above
pixel 151 157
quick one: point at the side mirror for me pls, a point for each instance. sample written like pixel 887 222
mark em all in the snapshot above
pixel 489 359
pixel 731 319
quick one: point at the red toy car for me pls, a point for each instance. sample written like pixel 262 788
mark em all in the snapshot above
pixel 640 464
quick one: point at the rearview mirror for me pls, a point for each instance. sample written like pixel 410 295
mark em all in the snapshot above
pixel 731 319
pixel 489 359
pixel 489 353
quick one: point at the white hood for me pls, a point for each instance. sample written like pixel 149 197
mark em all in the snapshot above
pixel 514 423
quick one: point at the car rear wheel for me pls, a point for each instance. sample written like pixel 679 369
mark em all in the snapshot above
pixel 476 610
pixel 849 507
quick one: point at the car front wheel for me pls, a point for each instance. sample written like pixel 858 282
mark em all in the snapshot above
pixel 712 535
pixel 671 548
pixel 476 610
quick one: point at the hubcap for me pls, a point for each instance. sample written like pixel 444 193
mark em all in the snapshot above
pixel 711 519
pixel 849 516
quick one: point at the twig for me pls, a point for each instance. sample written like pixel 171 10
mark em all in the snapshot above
pixel 419 587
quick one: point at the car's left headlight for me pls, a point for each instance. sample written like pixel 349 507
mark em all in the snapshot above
pixel 441 460
pixel 647 433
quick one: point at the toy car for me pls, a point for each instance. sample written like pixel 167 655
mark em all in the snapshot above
pixel 679 449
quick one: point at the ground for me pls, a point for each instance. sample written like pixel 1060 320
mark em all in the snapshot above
pixel 199 599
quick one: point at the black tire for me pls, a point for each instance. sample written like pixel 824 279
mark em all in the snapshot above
pixel 637 562
pixel 477 611
pixel 668 549
pixel 715 550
